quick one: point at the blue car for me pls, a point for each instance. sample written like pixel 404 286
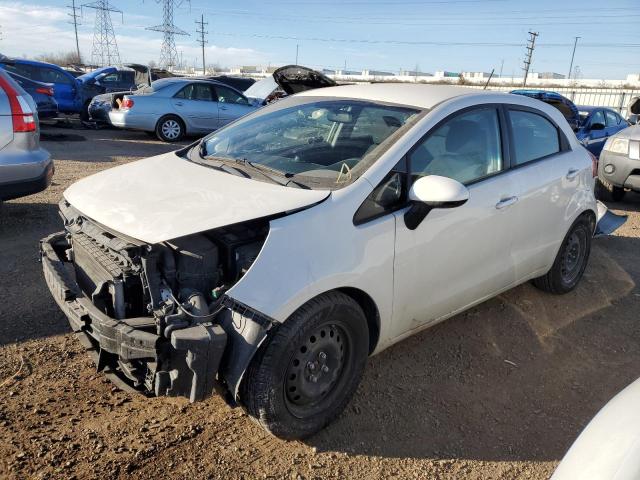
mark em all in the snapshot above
pixel 592 125
pixel 67 90
pixel 42 94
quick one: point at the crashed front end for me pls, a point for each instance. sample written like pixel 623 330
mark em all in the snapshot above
pixel 156 317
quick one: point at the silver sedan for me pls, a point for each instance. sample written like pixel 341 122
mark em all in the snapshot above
pixel 174 107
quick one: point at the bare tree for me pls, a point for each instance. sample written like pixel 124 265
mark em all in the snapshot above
pixel 61 58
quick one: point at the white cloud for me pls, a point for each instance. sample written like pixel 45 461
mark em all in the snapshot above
pixel 32 30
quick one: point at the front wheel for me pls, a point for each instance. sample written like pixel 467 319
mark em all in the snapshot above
pixel 571 260
pixel 309 368
pixel 170 129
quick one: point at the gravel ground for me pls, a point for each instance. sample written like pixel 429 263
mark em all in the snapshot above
pixel 498 392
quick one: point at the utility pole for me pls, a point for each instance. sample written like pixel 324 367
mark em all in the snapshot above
pixel 501 67
pixel 575 44
pixel 104 51
pixel 168 52
pixel 74 21
pixel 297 49
pixel 531 45
pixel 202 41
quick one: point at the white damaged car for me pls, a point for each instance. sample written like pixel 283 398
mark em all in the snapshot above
pixel 270 259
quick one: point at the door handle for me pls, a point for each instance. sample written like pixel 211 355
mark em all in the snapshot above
pixel 179 104
pixel 224 108
pixel 505 202
pixel 572 173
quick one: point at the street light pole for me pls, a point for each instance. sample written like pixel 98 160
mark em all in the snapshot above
pixel 575 44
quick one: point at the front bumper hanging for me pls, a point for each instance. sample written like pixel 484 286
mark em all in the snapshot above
pixel 184 365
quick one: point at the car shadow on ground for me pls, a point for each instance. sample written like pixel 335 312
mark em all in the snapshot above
pixel 104 145
pixel 515 378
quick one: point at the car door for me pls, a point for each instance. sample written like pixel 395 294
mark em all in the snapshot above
pixel 231 105
pixel 196 104
pixel 546 175
pixel 460 256
pixel 597 132
pixel 64 87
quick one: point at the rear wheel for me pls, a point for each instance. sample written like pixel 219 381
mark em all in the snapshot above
pixel 309 368
pixel 571 260
pixel 170 129
pixel 609 193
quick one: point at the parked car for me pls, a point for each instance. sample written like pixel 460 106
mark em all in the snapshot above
pixel 618 166
pixel 284 81
pixel 175 107
pixel 106 80
pixel 66 89
pixel 42 94
pixel 25 167
pixel 634 111
pixel 269 259
pixel 239 83
pixel 609 446
pixel 592 125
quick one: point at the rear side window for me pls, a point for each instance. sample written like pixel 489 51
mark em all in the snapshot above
pixel 613 120
pixel 49 75
pixel 534 136
pixel 196 91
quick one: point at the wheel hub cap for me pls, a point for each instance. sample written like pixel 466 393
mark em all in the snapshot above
pixel 316 366
pixel 171 129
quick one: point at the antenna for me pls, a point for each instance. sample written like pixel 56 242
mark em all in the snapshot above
pixel 531 45
pixel 202 41
pixel 104 51
pixel 74 21
pixel 168 52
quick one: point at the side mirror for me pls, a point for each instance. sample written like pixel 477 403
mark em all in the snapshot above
pixel 633 119
pixel 433 191
pixel 596 126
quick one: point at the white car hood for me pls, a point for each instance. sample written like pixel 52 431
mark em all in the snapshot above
pixel 166 197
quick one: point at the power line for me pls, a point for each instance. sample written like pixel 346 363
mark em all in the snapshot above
pixel 531 45
pixel 104 51
pixel 168 52
pixel 425 42
pixel 74 16
pixel 202 40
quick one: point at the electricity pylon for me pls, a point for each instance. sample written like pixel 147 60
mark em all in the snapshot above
pixel 168 52
pixel 104 51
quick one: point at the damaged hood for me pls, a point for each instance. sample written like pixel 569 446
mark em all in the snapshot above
pixel 295 79
pixel 166 197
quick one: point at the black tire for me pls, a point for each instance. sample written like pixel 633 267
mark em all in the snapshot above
pixel 571 260
pixel 170 128
pixel 306 372
pixel 609 193
pixel 84 112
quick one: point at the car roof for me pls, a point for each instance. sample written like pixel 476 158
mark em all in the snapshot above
pixel 591 108
pixel 418 95
pixel 36 63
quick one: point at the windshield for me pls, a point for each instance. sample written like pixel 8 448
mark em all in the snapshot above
pixel 322 141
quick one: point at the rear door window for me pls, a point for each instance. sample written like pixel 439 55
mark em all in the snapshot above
pixel 197 91
pixel 227 95
pixel 613 120
pixel 534 136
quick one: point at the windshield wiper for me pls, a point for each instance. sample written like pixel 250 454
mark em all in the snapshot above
pixel 263 168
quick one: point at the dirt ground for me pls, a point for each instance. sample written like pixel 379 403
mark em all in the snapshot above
pixel 498 392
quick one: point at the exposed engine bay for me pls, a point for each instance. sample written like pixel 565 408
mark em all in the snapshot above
pixel 157 315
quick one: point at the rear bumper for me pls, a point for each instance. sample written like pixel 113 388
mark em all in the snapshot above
pixel 29 186
pixel 129 119
pixel 184 365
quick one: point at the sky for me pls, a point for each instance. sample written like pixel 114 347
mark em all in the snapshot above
pixel 388 35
